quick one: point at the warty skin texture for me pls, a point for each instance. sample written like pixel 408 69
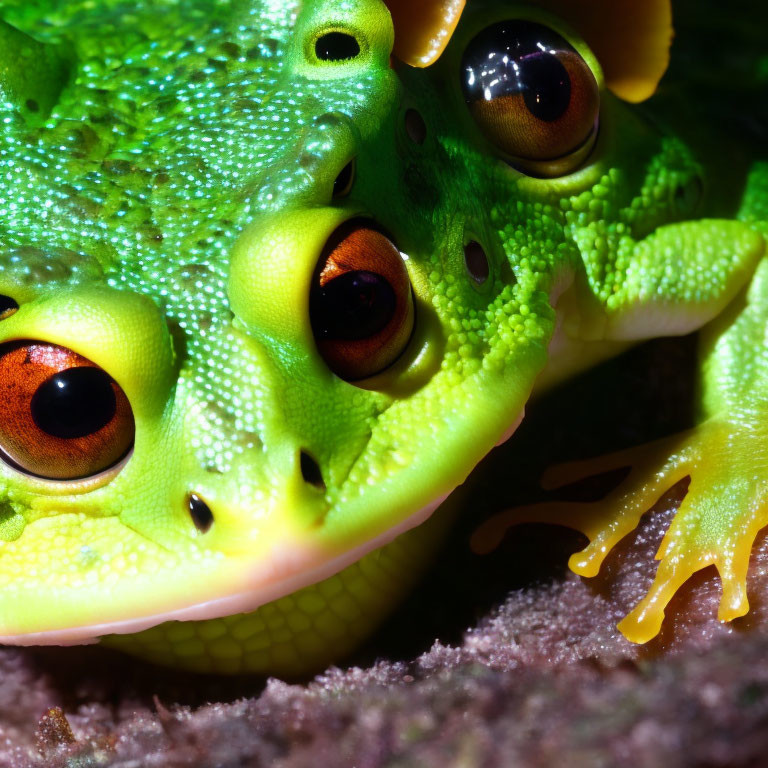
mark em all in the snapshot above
pixel 165 220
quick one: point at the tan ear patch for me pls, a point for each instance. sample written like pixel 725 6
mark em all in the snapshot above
pixel 423 28
pixel 631 38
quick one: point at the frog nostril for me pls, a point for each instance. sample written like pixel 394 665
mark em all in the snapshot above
pixel 200 513
pixel 689 194
pixel 7 306
pixel 310 471
pixel 342 186
pixel 476 261
pixel 337 46
pixel 415 126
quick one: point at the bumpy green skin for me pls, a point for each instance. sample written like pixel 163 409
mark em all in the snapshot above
pixel 164 220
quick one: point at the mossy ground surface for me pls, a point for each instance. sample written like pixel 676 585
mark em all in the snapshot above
pixel 527 668
pixel 542 678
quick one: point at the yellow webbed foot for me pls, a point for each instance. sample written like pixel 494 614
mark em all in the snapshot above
pixel 716 524
pixel 653 469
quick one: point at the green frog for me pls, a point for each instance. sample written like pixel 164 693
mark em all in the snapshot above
pixel 276 275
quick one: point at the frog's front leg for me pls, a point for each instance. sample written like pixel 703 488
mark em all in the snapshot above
pixel 725 456
pixel 716 524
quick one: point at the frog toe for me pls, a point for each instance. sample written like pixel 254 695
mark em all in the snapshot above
pixel 717 522
pixel 644 622
pixel 637 459
pixel 692 554
pixel 733 574
pixel 653 469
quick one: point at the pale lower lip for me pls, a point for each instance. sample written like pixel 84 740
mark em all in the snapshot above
pixel 242 602
pixel 245 601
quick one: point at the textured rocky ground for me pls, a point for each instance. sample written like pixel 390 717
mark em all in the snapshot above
pixel 541 677
pixel 528 669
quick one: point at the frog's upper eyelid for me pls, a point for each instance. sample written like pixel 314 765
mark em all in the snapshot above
pixel 118 330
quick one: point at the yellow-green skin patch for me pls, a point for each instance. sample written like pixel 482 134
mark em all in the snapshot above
pixel 162 210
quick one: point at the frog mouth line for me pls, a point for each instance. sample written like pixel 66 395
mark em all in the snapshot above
pixel 244 600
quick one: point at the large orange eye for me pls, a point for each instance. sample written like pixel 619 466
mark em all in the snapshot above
pixel 61 416
pixel 361 304
pixel 532 95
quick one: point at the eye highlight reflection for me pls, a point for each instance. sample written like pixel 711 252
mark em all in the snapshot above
pixel 62 417
pixel 532 95
pixel 361 303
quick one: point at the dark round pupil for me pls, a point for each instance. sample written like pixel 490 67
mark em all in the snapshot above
pixel 519 58
pixel 74 403
pixel 337 46
pixel 354 306
pixel 546 86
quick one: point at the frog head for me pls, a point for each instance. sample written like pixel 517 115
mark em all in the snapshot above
pixel 271 290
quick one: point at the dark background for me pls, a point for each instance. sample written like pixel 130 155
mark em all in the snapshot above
pixel 500 660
